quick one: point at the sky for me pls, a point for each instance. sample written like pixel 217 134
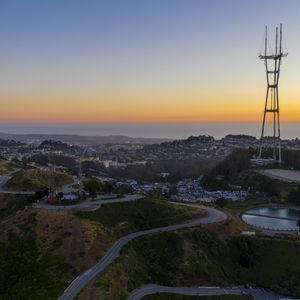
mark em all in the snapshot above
pixel 143 61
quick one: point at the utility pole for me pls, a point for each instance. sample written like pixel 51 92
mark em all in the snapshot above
pixel 80 176
pixel 272 64
pixel 51 192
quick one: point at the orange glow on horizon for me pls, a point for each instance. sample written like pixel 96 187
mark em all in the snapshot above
pixel 140 105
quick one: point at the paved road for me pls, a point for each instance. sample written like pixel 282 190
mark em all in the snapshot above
pixel 88 205
pixel 213 215
pixel 16 192
pixel 151 289
pixel 3 181
pixel 5 178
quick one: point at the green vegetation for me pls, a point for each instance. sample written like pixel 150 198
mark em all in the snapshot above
pixel 35 179
pixel 95 186
pixel 92 186
pixel 6 167
pixel 235 172
pixel 142 214
pixel 294 196
pixel 153 259
pixel 227 170
pixel 58 160
pixel 268 263
pixel 199 257
pixel 179 297
pixel 257 182
pixel 23 275
pixel 29 265
pixel 9 204
pixel 291 159
pixel 178 169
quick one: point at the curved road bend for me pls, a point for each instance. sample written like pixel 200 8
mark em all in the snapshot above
pixel 151 289
pixel 82 280
pixel 88 205
pixel 3 181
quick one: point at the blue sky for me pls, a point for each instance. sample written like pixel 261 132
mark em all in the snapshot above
pixel 136 52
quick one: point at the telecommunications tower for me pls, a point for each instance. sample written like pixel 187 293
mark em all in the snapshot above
pixel 272 62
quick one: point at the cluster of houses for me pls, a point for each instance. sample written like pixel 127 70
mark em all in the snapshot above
pixel 187 190
pixel 191 190
pixel 145 187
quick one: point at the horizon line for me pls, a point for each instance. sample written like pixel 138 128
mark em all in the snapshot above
pixel 135 122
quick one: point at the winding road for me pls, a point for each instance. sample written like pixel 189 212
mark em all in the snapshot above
pixel 213 216
pixel 150 289
pixel 88 205
pixel 3 181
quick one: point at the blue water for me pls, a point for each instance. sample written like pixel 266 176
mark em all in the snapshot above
pixel 148 130
pixel 273 223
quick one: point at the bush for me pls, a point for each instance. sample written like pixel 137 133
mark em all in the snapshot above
pixel 294 196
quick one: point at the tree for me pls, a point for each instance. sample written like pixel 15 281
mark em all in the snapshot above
pixel 245 261
pixel 227 170
pixel 92 186
pixel 42 192
pixel 294 196
pixel 108 187
pixel 221 202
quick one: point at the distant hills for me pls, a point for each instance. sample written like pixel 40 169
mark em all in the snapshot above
pixel 87 140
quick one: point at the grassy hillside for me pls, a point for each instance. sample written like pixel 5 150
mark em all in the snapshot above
pixel 24 275
pixel 198 257
pixel 41 251
pixel 6 167
pixel 138 215
pixel 10 204
pixel 34 179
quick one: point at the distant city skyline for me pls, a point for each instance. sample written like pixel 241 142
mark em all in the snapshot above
pixel 143 61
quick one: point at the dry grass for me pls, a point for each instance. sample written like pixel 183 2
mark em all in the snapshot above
pixel 81 242
pixel 233 226
pixel 5 167
pixel 34 179
pixel 112 284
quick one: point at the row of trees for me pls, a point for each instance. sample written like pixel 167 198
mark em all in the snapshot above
pixel 94 186
pixel 291 159
pixel 228 170
pixel 177 169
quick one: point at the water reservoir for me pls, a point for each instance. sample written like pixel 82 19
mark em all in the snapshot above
pixel 273 218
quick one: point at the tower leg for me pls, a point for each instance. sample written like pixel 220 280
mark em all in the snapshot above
pixel 263 125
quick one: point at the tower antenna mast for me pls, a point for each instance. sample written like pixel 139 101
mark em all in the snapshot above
pixel 272 64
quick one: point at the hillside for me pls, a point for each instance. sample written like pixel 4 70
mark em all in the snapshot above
pixel 34 179
pixel 42 248
pixel 196 257
pixel 83 139
pixel 139 215
pixel 5 167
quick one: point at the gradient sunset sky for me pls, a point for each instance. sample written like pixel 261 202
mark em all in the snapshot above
pixel 143 60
